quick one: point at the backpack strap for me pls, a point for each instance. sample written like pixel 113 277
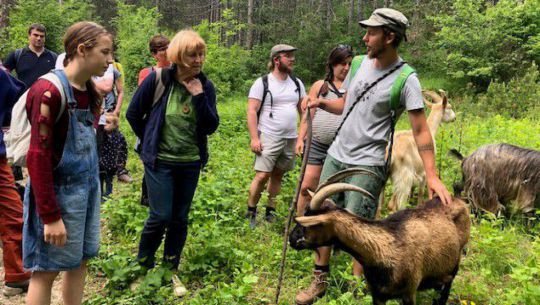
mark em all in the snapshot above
pixel 297 83
pixel 159 86
pixel 265 93
pixel 355 65
pixel 59 80
pixel 395 95
pixel 397 86
pixel 18 54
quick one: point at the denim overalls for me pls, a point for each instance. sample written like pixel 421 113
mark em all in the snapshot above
pixel 77 189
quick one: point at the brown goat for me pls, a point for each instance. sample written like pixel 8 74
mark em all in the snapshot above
pixel 496 174
pixel 407 169
pixel 413 249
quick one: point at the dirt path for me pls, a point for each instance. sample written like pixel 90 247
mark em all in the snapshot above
pixel 91 288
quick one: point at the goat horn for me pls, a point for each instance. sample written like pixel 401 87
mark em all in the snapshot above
pixel 332 189
pixel 344 174
pixel 434 96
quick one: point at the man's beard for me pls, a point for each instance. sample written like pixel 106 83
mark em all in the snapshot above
pixel 375 52
pixel 284 68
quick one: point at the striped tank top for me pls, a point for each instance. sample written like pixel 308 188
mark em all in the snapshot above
pixel 325 124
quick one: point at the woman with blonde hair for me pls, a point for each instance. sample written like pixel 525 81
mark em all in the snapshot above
pixel 173 133
pixel 61 204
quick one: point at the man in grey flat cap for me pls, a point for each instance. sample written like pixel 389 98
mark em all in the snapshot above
pixel 380 86
pixel 273 104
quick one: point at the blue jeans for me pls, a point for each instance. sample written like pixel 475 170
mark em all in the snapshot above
pixel 171 187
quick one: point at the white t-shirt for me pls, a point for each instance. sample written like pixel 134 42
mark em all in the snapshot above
pixel 284 109
pixel 363 137
pixel 59 65
pixel 109 74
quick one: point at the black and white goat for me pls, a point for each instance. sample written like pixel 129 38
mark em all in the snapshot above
pixel 412 249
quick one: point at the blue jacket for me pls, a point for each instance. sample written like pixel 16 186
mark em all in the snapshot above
pixel 10 91
pixel 147 121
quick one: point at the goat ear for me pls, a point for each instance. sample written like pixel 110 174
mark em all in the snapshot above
pixel 444 102
pixel 310 192
pixel 329 203
pixel 309 221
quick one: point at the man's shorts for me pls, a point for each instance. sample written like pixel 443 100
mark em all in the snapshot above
pixel 356 202
pixel 276 152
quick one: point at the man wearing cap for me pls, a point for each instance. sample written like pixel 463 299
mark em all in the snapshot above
pixel 363 138
pixel 273 104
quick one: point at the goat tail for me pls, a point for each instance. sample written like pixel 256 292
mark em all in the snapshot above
pixel 454 152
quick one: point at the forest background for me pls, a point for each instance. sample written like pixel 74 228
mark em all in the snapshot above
pixel 483 53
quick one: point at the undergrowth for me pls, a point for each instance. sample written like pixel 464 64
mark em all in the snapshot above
pixel 224 262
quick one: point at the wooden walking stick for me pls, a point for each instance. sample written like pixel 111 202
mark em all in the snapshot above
pixel 294 202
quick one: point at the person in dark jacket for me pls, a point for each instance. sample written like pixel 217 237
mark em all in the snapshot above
pixel 173 133
pixel 11 206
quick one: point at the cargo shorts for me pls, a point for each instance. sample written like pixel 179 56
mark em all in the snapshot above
pixel 356 202
pixel 276 152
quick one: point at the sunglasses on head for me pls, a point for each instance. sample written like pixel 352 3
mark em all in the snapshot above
pixel 343 47
pixel 160 49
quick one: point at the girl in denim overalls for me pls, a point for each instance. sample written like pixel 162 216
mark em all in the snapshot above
pixel 61 205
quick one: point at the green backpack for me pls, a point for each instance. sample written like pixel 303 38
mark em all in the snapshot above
pixel 397 86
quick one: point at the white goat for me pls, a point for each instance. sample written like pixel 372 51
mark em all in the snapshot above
pixel 407 169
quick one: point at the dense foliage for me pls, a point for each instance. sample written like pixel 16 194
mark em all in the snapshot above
pixel 485 41
pixel 135 25
pixel 227 263
pixel 56 18
pixel 481 52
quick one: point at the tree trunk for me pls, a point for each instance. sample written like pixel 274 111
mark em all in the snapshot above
pixel 250 27
pixel 360 10
pixel 328 16
pixel 351 17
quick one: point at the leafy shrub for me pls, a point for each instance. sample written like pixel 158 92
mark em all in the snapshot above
pixel 56 18
pixel 135 26
pixel 485 41
pixel 224 65
pixel 518 98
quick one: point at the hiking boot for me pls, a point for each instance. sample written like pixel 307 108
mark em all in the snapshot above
pixel 125 178
pixel 15 288
pixel 134 286
pixel 252 217
pixel 178 288
pixel 270 217
pixel 316 290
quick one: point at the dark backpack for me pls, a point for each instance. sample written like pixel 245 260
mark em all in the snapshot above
pixel 18 54
pixel 266 91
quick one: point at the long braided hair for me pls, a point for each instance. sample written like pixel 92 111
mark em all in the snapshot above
pixel 337 56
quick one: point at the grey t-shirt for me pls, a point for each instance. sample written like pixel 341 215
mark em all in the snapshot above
pixel 364 135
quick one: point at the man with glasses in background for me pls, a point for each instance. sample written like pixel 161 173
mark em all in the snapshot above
pixel 272 115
